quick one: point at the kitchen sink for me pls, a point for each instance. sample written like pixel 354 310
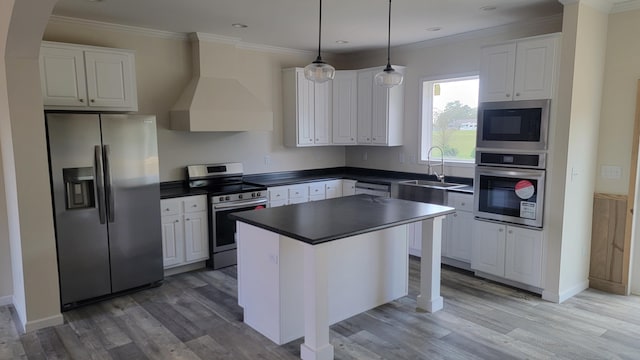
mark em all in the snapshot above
pixel 434 192
pixel 432 184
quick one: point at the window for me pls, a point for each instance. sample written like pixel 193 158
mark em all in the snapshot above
pixel 449 117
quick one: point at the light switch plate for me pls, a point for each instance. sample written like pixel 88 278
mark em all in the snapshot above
pixel 611 172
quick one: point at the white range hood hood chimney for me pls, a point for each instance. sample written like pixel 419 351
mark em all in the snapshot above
pixel 214 99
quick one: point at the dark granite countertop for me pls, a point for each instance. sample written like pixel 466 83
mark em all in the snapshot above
pixel 174 189
pixel 326 220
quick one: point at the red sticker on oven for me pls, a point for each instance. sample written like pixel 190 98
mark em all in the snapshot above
pixel 524 189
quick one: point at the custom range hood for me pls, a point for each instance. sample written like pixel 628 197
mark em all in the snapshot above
pixel 216 99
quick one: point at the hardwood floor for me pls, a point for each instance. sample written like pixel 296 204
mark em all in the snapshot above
pixel 196 316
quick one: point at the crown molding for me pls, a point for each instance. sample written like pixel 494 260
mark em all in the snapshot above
pixel 554 19
pixel 55 19
pixel 607 6
pixel 623 6
pixel 238 43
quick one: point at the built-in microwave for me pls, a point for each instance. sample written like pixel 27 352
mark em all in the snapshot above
pixel 518 125
pixel 509 194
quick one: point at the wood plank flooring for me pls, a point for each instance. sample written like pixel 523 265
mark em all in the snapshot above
pixel 196 316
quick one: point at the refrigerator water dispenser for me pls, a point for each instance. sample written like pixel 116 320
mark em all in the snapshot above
pixel 79 188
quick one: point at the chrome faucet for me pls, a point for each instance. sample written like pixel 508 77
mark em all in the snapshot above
pixel 439 176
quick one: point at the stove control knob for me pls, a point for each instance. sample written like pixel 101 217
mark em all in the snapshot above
pixel 253 195
pixel 258 194
pixel 221 198
pixel 227 198
pixel 240 196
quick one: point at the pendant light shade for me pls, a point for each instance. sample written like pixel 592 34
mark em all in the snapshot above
pixel 319 71
pixel 389 77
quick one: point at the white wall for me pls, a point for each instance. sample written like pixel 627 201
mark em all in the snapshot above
pixel 6 276
pixel 25 170
pixel 582 147
pixel 622 72
pixel 163 66
pixel 455 55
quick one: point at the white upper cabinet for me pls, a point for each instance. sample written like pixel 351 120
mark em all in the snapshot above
pixel 307 110
pixel 76 77
pixel 521 70
pixel 380 110
pixel 345 107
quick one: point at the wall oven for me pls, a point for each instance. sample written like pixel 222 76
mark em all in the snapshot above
pixel 516 125
pixel 512 193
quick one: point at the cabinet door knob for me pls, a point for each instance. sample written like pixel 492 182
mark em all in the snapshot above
pixel 81 100
pixel 517 94
pixel 194 205
pixel 187 219
pixel 351 139
pixel 93 100
pixel 500 230
pixel 508 95
pixel 367 139
pixel 510 231
pixel 176 221
pixel 167 209
pixel 317 139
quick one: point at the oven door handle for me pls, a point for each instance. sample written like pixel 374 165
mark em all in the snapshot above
pixel 238 204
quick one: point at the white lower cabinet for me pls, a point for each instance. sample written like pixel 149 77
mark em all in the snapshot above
pixel 458 228
pixel 302 193
pixel 348 187
pixel 185 232
pixel 510 252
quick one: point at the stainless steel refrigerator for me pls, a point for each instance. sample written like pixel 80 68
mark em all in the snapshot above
pixel 106 199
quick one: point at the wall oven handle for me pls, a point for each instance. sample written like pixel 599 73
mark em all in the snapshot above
pixel 99 183
pixel 111 211
pixel 239 204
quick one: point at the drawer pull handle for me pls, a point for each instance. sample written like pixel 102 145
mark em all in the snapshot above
pixel 167 209
pixel 194 205
pixel 81 100
pixel 176 221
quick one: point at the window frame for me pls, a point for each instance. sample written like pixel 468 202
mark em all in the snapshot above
pixel 425 132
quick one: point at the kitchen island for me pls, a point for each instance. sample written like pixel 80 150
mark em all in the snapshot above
pixel 304 267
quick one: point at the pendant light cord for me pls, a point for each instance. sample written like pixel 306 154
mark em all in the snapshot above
pixel 389 39
pixel 320 29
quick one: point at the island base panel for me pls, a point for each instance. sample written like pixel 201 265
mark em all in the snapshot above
pixel 364 271
pixel 429 298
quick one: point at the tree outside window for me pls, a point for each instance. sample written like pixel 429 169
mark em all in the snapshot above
pixel 449 117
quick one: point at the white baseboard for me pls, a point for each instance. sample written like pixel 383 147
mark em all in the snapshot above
pixel 559 298
pixel 6 300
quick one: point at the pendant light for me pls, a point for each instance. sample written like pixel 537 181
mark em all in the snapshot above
pixel 319 71
pixel 389 77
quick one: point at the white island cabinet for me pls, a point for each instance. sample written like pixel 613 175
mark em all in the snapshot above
pixel 78 77
pixel 302 268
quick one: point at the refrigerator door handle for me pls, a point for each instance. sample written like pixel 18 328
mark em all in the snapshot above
pixel 111 211
pixel 99 183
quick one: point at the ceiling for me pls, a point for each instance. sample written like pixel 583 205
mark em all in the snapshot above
pixel 294 23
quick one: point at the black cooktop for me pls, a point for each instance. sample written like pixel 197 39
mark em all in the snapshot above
pixel 226 189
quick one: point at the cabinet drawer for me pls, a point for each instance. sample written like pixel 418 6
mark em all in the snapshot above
pixel 278 193
pixel 195 203
pixel 169 207
pixel 317 190
pixel 462 202
pixel 298 192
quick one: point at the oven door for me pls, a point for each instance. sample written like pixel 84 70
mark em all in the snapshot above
pixel 511 195
pixel 513 125
pixel 223 229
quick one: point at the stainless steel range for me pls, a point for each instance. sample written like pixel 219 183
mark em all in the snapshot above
pixel 227 193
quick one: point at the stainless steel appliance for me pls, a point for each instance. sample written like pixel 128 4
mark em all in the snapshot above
pixel 516 125
pixel 106 200
pixel 513 191
pixel 227 194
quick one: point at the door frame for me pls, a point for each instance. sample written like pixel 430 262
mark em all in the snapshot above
pixel 632 221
